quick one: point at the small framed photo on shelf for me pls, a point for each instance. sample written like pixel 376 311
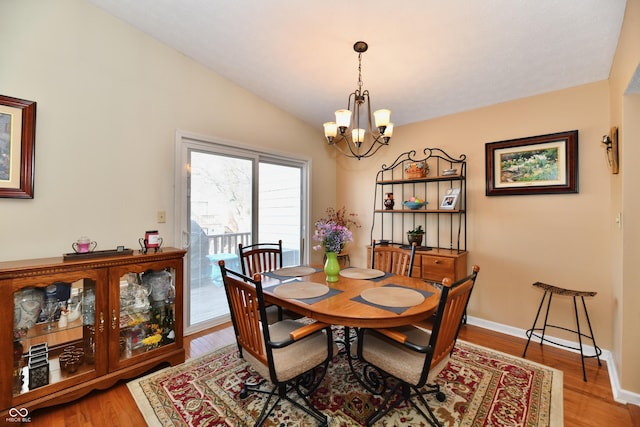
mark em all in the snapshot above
pixel 450 199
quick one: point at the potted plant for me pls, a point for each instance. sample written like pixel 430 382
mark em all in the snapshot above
pixel 415 235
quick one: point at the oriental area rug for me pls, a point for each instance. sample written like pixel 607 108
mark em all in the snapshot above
pixel 482 387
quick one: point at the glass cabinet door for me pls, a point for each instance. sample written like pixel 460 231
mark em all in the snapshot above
pixel 146 311
pixel 53 332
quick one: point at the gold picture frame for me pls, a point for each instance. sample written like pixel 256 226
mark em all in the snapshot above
pixel 17 147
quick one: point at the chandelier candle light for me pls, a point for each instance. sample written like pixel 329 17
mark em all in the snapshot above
pixel 354 136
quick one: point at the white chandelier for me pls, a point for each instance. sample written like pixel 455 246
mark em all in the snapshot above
pixel 347 131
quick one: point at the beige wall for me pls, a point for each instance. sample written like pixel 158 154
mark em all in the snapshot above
pixel 625 110
pixel 110 100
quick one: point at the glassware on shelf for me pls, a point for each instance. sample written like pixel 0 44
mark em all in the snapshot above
pixel 159 283
pixel 168 326
pixel 51 306
pixel 28 304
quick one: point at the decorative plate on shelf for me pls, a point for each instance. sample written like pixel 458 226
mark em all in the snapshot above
pixel 414 205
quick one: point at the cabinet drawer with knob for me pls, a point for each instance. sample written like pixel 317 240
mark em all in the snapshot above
pixel 436 268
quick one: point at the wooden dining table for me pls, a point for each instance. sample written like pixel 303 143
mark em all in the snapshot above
pixel 344 304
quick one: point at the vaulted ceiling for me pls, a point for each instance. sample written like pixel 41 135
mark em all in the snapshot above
pixel 426 58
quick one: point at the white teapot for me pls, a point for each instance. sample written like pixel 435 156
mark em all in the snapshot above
pixel 74 312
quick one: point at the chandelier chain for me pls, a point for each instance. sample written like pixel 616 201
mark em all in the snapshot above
pixel 360 72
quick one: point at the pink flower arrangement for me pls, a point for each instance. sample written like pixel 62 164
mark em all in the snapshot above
pixel 332 236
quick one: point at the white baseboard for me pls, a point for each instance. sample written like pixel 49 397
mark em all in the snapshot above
pixel 619 395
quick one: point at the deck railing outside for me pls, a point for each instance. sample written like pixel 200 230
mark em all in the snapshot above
pixel 227 242
pixel 206 250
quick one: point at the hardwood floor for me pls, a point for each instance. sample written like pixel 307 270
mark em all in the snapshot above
pixel 585 403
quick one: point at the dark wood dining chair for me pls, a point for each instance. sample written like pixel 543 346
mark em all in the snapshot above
pixel 291 355
pixel 262 258
pixel 405 358
pixel 391 258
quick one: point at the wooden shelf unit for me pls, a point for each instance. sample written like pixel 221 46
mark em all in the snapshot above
pixel 445 229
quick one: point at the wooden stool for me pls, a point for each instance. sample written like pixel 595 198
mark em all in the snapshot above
pixel 549 289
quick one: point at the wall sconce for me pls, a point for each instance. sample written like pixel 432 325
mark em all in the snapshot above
pixel 611 143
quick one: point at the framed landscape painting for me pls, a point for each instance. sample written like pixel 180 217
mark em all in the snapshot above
pixel 544 164
pixel 17 141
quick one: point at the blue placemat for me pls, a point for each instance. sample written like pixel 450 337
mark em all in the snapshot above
pixel 314 300
pixel 386 276
pixel 397 310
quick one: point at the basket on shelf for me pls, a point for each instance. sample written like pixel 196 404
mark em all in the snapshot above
pixel 416 170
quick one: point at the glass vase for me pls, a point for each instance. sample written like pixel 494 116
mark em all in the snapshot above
pixel 332 267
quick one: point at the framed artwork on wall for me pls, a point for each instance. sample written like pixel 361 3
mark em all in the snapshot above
pixel 17 143
pixel 544 164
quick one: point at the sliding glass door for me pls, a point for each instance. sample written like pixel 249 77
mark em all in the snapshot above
pixel 229 196
pixel 280 213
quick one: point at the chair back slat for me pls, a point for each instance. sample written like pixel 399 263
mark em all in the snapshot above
pixel 260 258
pixel 451 318
pixel 390 258
pixel 245 314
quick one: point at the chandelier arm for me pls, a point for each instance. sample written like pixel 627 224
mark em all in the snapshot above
pixel 375 145
pixel 352 96
pixel 348 141
pixel 345 153
pixel 366 95
pixel 356 111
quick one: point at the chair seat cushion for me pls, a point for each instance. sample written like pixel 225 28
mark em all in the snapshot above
pixel 385 353
pixel 296 358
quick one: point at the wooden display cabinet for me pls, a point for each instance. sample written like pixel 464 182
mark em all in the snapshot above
pixel 123 318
